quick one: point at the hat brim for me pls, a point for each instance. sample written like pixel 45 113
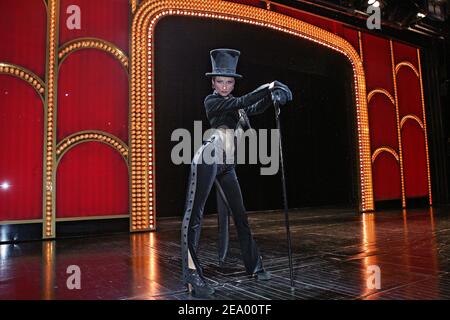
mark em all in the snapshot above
pixel 231 75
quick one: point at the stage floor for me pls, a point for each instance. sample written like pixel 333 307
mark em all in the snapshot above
pixel 333 251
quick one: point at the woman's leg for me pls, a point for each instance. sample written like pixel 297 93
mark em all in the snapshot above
pixel 250 253
pixel 201 179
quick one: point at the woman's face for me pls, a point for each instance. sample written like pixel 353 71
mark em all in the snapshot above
pixel 223 85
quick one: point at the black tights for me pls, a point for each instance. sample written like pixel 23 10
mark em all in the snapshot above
pixel 202 178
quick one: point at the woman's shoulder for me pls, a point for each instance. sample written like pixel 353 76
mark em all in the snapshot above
pixel 210 98
pixel 215 97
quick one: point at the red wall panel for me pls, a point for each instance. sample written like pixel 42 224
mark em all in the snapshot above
pixel 21 141
pixel 382 116
pixel 414 160
pixel 382 122
pixel 386 177
pixel 92 180
pixel 413 139
pixel 104 19
pixel 408 86
pixel 377 63
pixel 92 94
pixel 23 28
pixel 404 52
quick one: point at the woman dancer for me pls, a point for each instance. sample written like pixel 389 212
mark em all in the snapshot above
pixel 215 161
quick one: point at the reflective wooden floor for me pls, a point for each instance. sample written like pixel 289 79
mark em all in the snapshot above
pixel 333 250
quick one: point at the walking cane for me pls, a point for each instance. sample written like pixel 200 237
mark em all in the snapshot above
pixel 276 104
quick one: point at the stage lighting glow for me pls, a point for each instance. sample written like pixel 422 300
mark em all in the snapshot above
pixel 5 185
pixel 376 4
pixel 3 250
pixel 421 15
pixel 371 1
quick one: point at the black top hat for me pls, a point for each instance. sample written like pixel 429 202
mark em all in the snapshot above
pixel 224 62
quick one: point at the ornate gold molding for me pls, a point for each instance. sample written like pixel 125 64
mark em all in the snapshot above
pixel 406 64
pixel 397 119
pixel 142 156
pixel 92 43
pixel 134 5
pixel 25 75
pixel 425 132
pixel 382 91
pixel 48 212
pixel 380 150
pixel 411 117
pixel 92 135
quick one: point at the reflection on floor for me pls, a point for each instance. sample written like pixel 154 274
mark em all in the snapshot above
pixel 334 254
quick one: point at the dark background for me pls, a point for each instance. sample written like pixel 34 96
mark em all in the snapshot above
pixel 317 126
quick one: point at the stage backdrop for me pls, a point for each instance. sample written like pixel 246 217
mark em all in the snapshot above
pixel 66 120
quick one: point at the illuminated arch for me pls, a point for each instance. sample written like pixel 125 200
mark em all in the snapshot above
pixel 25 75
pixel 93 135
pixel 377 152
pixel 142 157
pixel 380 91
pixel 411 117
pixel 408 65
pixel 92 43
pixel 81 137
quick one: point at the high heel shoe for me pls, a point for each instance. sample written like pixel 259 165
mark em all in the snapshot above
pixel 262 275
pixel 259 273
pixel 197 286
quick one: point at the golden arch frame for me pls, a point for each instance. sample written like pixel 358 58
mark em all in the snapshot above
pixel 142 100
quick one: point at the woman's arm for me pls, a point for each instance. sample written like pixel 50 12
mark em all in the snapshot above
pixel 259 107
pixel 216 104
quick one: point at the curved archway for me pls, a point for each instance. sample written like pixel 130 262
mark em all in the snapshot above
pixel 77 195
pixel 142 160
pixel 389 150
pixel 380 91
pixel 92 43
pixel 25 75
pixel 93 135
pixel 412 117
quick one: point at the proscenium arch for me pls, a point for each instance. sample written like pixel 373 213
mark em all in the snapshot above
pixel 142 98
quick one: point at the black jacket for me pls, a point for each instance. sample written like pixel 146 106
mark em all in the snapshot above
pixel 224 111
